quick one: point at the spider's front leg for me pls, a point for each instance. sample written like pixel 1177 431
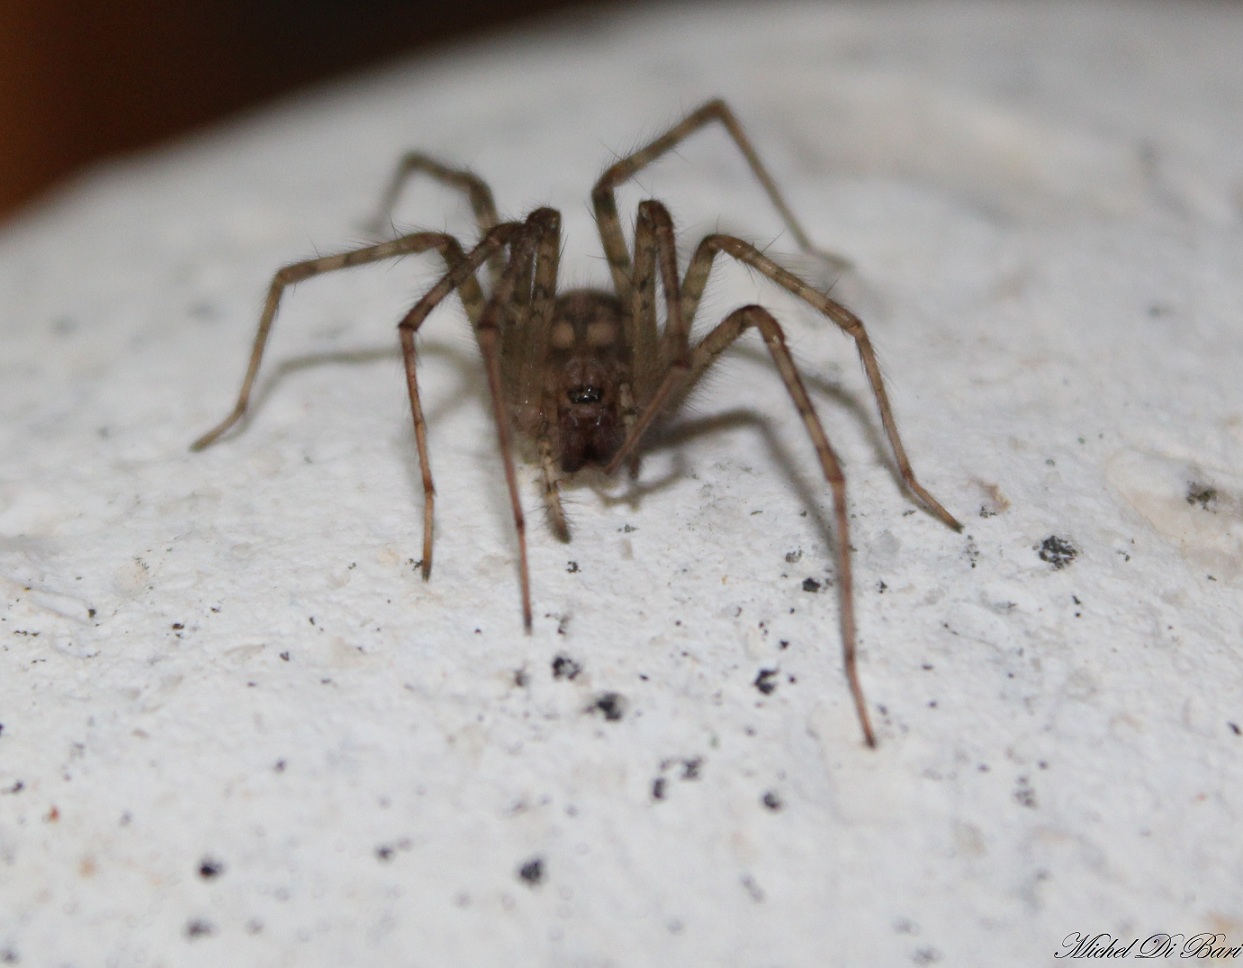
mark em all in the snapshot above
pixel 660 362
pixel 511 298
pixel 460 277
pixel 707 352
pixel 692 289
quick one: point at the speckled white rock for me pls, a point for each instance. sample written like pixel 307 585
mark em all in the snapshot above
pixel 238 729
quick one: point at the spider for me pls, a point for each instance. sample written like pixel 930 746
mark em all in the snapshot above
pixel 583 374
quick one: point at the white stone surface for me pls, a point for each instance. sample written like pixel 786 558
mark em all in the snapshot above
pixel 226 659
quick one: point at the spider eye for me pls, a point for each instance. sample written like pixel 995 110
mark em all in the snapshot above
pixel 585 395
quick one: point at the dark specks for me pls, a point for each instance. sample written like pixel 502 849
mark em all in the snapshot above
pixel 753 888
pixel 811 585
pixel 971 551
pixel 1058 552
pixel 210 867
pixel 685 768
pixel 1203 495
pixel 532 872
pixel 199 928
pixel 386 852
pixel 771 800
pixel 611 705
pixel 563 667
pixel 765 681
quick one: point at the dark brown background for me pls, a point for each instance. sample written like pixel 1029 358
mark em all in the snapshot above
pixel 81 79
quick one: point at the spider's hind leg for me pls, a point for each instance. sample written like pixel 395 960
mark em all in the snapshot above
pixel 605 203
pixel 474 187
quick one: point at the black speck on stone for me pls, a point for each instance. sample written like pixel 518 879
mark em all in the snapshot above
pixel 771 801
pixel 1234 728
pixel 765 681
pixel 532 872
pixel 1203 495
pixel 811 585
pixel 1058 552
pixel 210 867
pixel 612 705
pixel 658 788
pixel 199 928
pixel 691 768
pixel 563 667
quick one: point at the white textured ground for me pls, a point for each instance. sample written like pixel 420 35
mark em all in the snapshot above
pixel 238 729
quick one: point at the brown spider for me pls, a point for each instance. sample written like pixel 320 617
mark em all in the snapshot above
pixel 584 373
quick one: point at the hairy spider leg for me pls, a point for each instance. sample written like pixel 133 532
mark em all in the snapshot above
pixel 692 289
pixel 524 342
pixel 705 354
pixel 605 203
pixel 521 239
pixel 448 247
pixel 679 376
pixel 460 277
pixel 662 361
pixel 476 190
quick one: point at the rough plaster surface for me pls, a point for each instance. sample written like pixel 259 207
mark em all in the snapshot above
pixel 239 729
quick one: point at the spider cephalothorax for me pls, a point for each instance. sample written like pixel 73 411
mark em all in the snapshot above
pixel 586 379
pixel 584 374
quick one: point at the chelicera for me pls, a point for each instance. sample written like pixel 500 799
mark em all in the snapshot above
pixel 583 374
